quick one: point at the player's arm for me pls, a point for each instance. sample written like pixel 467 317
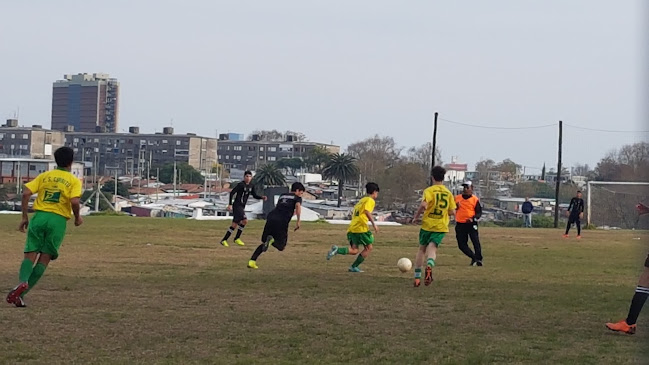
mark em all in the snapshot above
pixel 237 189
pixel 27 194
pixel 371 219
pixel 478 210
pixel 298 213
pixel 255 195
pixel 420 210
pixel 75 202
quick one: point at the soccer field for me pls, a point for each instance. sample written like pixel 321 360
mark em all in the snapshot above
pixel 147 291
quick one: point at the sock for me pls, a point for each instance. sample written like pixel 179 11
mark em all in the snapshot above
pixel 257 252
pixel 578 228
pixel 637 302
pixel 359 260
pixel 227 234
pixel 568 228
pixel 239 232
pixel 36 275
pixel 343 250
pixel 25 270
pixel 418 273
pixel 430 263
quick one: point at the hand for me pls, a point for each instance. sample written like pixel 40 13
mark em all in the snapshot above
pixel 264 197
pixel 23 225
pixel 78 221
pixel 581 215
pixel 229 208
pixel 376 229
pixel 297 226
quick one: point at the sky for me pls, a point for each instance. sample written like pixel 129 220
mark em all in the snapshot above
pixel 342 71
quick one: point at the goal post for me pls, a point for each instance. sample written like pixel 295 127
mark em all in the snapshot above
pixel 616 201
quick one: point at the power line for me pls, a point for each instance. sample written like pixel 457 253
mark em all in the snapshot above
pixel 492 127
pixel 604 130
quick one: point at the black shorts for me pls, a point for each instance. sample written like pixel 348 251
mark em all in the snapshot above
pixel 278 229
pixel 239 214
pixel 574 219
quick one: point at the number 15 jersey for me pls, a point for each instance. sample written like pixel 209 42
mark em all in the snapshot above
pixel 439 201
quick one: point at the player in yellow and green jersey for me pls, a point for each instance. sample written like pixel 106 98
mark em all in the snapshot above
pixel 437 205
pixel 359 233
pixel 58 193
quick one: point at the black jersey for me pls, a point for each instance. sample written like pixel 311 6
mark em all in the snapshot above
pixel 576 206
pixel 239 195
pixel 285 206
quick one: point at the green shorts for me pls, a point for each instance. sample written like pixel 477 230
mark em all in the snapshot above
pixel 357 239
pixel 45 233
pixel 426 237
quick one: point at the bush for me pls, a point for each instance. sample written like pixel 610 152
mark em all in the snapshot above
pixel 538 221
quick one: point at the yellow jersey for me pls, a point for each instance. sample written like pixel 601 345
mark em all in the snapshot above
pixel 359 219
pixel 55 189
pixel 439 201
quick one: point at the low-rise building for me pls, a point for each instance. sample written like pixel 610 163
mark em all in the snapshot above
pixel 14 169
pixel 28 142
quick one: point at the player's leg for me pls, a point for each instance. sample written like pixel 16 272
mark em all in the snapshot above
pixel 242 225
pixel 33 245
pixel 475 239
pixel 419 261
pixel 570 222
pixel 431 254
pixel 367 249
pixel 462 236
pixel 578 223
pixel 266 239
pixel 352 238
pixel 639 298
pixel 228 233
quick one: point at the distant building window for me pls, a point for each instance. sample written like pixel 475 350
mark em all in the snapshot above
pixel 227 148
pixel 96 140
pixel 23 147
pixel 25 136
pixel 272 149
pixel 164 141
pixel 178 143
pixel 261 149
pixel 261 157
pixel 2 136
pixel 237 148
pixel 239 158
pixel 271 158
pixel 164 151
pixel 227 157
pixel 32 168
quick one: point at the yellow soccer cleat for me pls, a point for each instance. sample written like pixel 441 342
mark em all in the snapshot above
pixel 224 243
pixel 252 264
pixel 239 242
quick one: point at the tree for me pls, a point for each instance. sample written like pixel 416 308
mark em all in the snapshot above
pixel 317 158
pixel 290 164
pixel 109 187
pixel 630 163
pixel 341 167
pixel 508 169
pixel 269 175
pixel 422 155
pixel 185 174
pixel 581 170
pixel 400 182
pixel 373 155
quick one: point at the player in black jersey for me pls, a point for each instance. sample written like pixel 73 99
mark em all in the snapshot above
pixel 575 214
pixel 237 204
pixel 276 228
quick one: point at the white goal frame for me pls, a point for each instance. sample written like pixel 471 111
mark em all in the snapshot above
pixel 606 183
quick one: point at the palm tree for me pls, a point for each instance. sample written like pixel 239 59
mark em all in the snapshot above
pixel 341 167
pixel 269 175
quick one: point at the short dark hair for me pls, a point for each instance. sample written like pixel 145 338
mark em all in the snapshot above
pixel 64 156
pixel 372 187
pixel 438 173
pixel 297 186
pixel 578 191
pixel 248 172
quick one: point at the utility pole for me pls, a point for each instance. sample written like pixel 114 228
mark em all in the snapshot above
pixel 432 157
pixel 115 196
pixel 558 187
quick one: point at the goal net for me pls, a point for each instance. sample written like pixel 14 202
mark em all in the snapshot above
pixel 618 204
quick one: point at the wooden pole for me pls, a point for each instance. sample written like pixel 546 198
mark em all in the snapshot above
pixel 558 188
pixel 432 157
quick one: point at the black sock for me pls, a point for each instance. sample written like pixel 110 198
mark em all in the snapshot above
pixel 227 234
pixel 568 228
pixel 578 228
pixel 239 232
pixel 257 252
pixel 640 297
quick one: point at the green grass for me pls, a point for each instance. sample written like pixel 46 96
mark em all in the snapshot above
pixel 161 291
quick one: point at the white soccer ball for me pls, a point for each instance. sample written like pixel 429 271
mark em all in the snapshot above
pixel 404 264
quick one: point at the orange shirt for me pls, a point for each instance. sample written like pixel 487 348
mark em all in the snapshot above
pixel 465 208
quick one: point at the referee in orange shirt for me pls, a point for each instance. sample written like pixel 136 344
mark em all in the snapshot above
pixel 468 212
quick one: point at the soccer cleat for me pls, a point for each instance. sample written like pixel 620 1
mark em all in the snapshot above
pixel 16 292
pixel 621 326
pixel 252 264
pixel 417 283
pixel 473 263
pixel 566 236
pixel 478 263
pixel 354 269
pixel 20 303
pixel 332 252
pixel 429 276
pixel 224 243
pixel 269 241
pixel 239 242
pixel 579 237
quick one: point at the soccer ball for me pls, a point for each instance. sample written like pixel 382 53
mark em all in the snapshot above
pixel 404 264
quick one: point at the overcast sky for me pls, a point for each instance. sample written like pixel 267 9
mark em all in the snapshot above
pixel 344 70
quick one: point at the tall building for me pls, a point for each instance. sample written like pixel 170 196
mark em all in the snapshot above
pixel 85 103
pixel 28 142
